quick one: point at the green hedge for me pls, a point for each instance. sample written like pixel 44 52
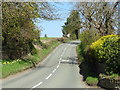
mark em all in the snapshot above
pixel 81 52
pixel 107 50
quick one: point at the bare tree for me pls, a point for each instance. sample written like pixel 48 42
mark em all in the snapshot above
pixel 99 15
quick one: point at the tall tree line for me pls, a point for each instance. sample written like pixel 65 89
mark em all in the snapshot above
pixel 95 18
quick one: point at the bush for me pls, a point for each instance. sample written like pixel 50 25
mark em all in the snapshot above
pixel 92 81
pixel 107 50
pixel 63 40
pixel 34 51
pixel 87 37
pixel 81 51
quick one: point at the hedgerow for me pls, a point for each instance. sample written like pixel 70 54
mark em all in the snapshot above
pixel 107 50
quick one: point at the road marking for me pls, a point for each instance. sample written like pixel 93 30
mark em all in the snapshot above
pixel 37 85
pixel 60 58
pixel 65 60
pixel 54 70
pixel 49 76
pixel 64 51
pixel 57 66
pixel 59 62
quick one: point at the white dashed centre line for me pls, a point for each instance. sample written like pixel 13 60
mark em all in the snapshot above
pixel 57 66
pixel 59 62
pixel 60 59
pixel 37 85
pixel 54 70
pixel 49 76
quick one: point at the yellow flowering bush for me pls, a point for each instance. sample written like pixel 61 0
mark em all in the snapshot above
pixel 100 42
pixel 107 50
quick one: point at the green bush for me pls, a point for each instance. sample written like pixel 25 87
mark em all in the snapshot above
pixel 87 37
pixel 107 50
pixel 34 51
pixel 92 81
pixel 81 51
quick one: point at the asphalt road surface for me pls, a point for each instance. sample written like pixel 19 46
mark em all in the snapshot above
pixel 58 70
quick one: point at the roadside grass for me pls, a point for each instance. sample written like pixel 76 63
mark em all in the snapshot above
pixel 10 68
pixel 45 51
pixel 91 80
pixel 0 70
pixel 46 38
pixel 114 75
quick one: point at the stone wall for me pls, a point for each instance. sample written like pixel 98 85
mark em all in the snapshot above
pixel 109 82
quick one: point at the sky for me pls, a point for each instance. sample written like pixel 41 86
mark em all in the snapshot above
pixel 53 28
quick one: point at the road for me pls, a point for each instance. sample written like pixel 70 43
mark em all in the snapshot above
pixel 58 70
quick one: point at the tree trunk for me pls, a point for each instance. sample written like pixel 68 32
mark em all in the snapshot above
pixel 77 33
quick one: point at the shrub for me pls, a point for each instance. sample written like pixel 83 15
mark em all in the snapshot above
pixel 92 81
pixel 107 50
pixel 34 51
pixel 87 37
pixel 81 51
pixel 63 40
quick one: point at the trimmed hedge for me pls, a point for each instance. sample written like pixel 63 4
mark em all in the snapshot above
pixel 107 50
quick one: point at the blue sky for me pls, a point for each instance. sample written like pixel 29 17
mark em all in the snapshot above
pixel 54 28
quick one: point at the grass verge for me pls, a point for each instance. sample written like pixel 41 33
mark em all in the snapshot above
pixel 46 38
pixel 14 66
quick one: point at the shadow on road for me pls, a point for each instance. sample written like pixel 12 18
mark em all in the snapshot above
pixel 47 66
pixel 70 60
pixel 86 70
pixel 74 43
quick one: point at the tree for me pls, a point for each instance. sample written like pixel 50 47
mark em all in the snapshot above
pixel 46 35
pixel 101 16
pixel 18 28
pixel 72 26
